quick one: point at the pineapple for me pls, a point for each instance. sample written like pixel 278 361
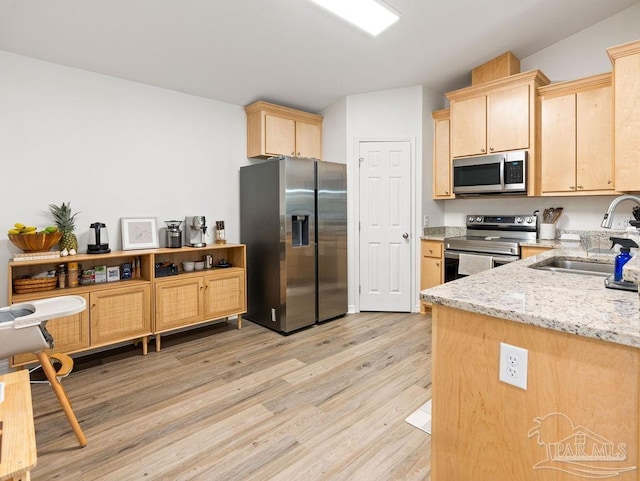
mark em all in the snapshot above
pixel 66 224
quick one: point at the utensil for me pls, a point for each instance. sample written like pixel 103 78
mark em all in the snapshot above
pixel 557 211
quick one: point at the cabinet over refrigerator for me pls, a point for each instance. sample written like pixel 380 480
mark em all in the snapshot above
pixel 293 220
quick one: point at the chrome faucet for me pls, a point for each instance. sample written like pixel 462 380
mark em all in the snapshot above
pixel 607 220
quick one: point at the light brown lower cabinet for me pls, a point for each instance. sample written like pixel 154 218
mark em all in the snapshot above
pixel 119 314
pixel 196 298
pixel 431 267
pixel 528 251
pixel 578 418
pixel 136 309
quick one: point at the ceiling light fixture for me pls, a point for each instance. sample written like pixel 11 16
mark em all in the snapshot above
pixel 369 15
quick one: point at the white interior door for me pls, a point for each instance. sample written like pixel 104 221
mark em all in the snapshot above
pixel 385 226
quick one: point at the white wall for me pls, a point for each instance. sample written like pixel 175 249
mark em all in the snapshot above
pixel 585 53
pixel 580 55
pixel 114 149
pixel 334 132
pixel 386 115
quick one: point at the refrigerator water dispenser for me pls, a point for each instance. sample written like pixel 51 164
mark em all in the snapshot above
pixel 300 230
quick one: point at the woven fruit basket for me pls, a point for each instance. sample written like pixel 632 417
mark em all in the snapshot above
pixel 35 242
pixel 37 284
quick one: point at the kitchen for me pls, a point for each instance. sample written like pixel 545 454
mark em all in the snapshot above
pixel 135 118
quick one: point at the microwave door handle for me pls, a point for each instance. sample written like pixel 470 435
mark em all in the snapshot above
pixel 502 173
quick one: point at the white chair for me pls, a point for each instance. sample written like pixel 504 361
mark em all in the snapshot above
pixel 22 329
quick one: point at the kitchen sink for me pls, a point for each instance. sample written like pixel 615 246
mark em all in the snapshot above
pixel 584 267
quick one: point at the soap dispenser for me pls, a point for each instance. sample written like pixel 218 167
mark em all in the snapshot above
pixel 623 257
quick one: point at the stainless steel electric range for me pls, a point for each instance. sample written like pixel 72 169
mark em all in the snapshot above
pixel 498 236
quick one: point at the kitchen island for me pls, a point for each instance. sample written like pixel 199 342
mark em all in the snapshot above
pixel 578 417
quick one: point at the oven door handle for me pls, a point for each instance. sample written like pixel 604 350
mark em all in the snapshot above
pixel 497 258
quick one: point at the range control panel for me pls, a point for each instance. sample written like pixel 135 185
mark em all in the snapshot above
pixel 525 222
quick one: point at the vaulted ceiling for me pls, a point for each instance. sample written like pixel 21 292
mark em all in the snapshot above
pixel 291 52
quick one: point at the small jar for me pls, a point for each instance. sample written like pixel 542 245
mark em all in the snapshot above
pixel 62 276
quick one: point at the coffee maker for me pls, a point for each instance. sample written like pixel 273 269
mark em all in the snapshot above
pixel 174 233
pixel 196 229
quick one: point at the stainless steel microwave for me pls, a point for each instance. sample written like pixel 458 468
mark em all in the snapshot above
pixel 491 174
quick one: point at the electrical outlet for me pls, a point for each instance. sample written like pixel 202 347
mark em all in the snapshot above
pixel 513 365
pixel 425 221
pixel 273 315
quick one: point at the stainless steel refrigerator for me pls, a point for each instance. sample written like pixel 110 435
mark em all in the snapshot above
pixel 293 220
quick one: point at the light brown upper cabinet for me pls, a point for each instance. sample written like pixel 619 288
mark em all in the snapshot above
pixel 626 88
pixel 442 187
pixel 495 116
pixel 273 130
pixel 498 116
pixel 577 137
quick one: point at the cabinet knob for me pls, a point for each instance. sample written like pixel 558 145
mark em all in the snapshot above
pixel 293 154
pixel 437 264
pixel 298 154
pixel 608 182
pixel 580 187
pixel 491 149
pixel 430 251
pixel 572 187
pixel 446 192
pixel 482 149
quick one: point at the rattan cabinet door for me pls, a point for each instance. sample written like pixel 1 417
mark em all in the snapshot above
pixel 224 293
pixel 120 314
pixel 178 303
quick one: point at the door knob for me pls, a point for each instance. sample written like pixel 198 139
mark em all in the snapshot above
pixel 405 236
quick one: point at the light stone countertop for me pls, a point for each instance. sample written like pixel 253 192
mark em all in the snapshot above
pixel 573 303
pixel 631 270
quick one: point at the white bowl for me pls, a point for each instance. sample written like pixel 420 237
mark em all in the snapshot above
pixel 187 266
pixel 199 265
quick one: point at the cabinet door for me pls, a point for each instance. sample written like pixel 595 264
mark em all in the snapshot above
pixel 224 293
pixel 594 140
pixel 508 119
pixel 441 160
pixel 308 140
pixel 280 135
pixel 558 147
pixel 178 303
pixel 627 120
pixel 469 126
pixel 120 314
pixel 70 333
pixel 431 275
pixel 527 251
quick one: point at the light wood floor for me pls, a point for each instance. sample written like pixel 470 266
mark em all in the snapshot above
pixel 217 403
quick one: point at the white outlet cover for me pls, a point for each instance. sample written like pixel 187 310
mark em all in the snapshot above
pixel 513 365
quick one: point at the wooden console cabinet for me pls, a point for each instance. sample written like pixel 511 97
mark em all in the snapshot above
pixel 274 130
pixel 195 297
pixel 137 308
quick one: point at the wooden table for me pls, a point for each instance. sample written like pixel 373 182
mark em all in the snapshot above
pixel 17 434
